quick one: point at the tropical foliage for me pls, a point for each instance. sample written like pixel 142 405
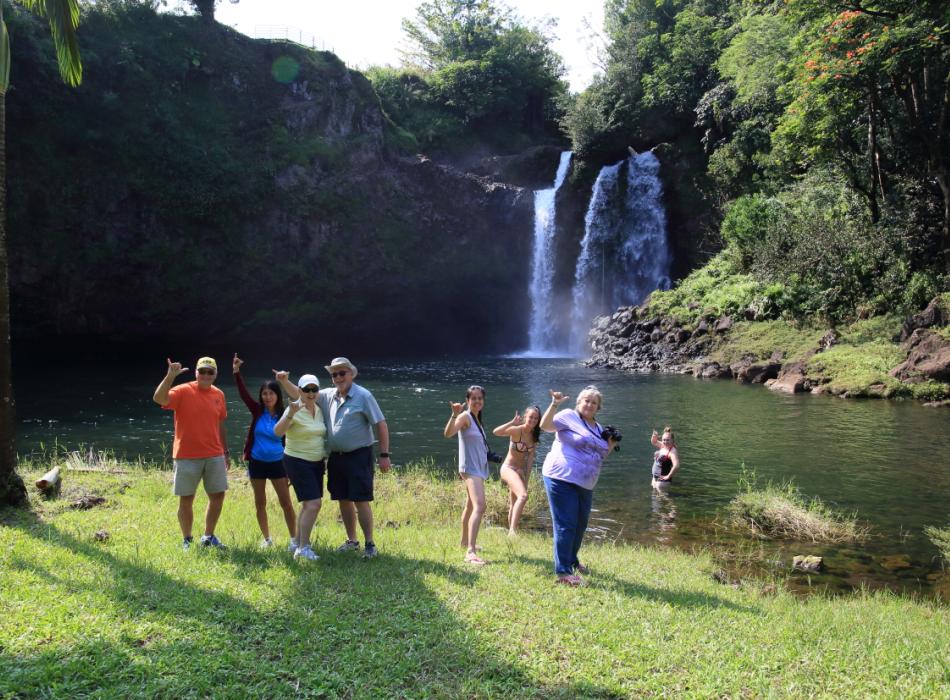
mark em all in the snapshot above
pixel 474 70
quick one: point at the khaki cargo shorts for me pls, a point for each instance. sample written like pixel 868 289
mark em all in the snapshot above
pixel 189 472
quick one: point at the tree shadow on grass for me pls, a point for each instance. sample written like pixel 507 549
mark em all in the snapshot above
pixel 344 628
pixel 640 590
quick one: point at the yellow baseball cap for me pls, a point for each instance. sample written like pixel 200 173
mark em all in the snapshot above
pixel 207 362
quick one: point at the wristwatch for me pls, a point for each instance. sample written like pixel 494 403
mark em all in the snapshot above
pixel 383 454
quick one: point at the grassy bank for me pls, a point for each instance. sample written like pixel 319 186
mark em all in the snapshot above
pixel 134 616
pixel 858 365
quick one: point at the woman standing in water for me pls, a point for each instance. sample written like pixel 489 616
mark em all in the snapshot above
pixel 570 473
pixel 523 435
pixel 666 459
pixel 466 422
pixel 264 451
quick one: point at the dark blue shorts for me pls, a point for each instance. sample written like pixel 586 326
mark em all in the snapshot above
pixel 305 476
pixel 350 475
pixel 256 469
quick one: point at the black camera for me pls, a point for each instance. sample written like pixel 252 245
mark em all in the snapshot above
pixel 611 433
pixel 494 457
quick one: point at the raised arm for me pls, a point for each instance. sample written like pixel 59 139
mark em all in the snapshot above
pixel 161 391
pixel 655 439
pixel 547 420
pixel 283 378
pixel 509 429
pixel 457 421
pixel 246 397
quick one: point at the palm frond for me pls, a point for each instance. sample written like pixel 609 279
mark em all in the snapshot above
pixel 63 18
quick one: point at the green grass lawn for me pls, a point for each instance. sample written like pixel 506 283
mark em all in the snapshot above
pixel 134 616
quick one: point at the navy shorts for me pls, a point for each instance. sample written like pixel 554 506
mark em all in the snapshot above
pixel 305 476
pixel 256 469
pixel 350 475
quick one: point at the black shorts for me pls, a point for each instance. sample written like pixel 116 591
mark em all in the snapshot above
pixel 350 475
pixel 256 469
pixel 305 476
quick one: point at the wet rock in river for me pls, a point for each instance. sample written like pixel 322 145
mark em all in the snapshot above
pixel 895 562
pixel 928 357
pixel 809 563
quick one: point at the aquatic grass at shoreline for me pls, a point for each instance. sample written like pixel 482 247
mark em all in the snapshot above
pixel 940 536
pixel 134 616
pixel 782 512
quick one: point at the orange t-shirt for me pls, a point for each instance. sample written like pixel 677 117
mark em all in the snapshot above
pixel 198 416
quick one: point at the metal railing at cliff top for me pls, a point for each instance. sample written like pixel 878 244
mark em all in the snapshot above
pixel 282 32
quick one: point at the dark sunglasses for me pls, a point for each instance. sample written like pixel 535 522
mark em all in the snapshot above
pixel 339 373
pixel 311 389
pixel 207 371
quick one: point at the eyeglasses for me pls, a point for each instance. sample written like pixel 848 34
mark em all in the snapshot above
pixel 207 372
pixel 339 373
pixel 311 389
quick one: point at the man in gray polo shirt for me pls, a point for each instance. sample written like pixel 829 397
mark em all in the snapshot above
pixel 351 412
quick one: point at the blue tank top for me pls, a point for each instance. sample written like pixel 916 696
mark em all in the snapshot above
pixel 267 446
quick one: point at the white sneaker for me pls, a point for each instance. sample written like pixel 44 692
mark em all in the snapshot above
pixel 306 553
pixel 267 543
pixel 292 547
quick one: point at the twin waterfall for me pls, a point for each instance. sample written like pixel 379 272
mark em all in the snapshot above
pixel 623 254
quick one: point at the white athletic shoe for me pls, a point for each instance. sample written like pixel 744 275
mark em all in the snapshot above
pixel 292 547
pixel 306 553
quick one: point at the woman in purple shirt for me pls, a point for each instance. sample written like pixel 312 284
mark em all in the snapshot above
pixel 570 473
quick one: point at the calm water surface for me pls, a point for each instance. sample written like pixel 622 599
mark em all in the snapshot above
pixel 889 462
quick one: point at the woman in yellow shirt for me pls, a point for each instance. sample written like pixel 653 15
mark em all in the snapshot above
pixel 304 457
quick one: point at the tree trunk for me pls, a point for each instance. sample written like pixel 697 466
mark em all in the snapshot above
pixel 205 9
pixel 12 490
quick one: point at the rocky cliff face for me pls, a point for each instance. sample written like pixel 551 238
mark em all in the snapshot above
pixel 205 185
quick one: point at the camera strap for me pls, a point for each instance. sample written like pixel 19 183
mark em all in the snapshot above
pixel 480 429
pixel 596 433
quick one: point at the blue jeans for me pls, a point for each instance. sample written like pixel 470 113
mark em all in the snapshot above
pixel 570 511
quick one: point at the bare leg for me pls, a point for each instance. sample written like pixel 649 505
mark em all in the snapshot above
pixel 466 514
pixel 476 497
pixel 186 514
pixel 519 496
pixel 364 512
pixel 282 488
pixel 348 513
pixel 215 502
pixel 308 516
pixel 260 505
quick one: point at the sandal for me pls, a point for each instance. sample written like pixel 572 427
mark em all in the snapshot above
pixel 570 580
pixel 473 558
pixel 581 569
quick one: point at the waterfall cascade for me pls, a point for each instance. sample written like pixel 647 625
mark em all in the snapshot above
pixel 624 254
pixel 541 336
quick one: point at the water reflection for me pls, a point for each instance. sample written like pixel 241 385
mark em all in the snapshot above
pixel 662 515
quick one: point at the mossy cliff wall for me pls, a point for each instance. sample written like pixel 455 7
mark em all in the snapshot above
pixel 203 185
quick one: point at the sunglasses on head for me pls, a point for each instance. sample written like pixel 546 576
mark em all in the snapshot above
pixel 311 389
pixel 207 371
pixel 339 373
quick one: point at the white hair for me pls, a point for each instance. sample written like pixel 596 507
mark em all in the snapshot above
pixel 591 390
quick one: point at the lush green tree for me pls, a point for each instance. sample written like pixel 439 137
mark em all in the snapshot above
pixel 473 64
pixel 872 92
pixel 205 8
pixel 63 18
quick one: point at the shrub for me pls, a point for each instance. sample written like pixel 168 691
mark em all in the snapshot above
pixel 747 223
pixel 940 536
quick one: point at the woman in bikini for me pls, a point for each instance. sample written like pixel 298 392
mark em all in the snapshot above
pixel 523 434
pixel 666 459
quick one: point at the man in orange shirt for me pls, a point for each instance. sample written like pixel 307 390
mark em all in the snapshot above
pixel 200 449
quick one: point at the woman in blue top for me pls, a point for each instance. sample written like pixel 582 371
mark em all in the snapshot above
pixel 264 451
pixel 473 465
